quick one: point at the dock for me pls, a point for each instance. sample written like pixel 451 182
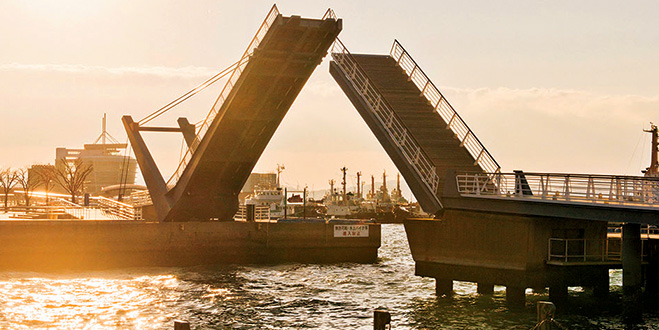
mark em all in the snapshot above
pixel 61 245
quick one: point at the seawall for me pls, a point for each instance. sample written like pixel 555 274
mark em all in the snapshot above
pixel 90 244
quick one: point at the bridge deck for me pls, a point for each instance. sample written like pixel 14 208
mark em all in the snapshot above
pixel 424 123
pixel 610 198
pixel 419 119
pixel 276 72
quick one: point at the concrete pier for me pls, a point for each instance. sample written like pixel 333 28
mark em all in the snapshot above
pixel 515 297
pixel 484 288
pixel 558 293
pixel 477 247
pixel 632 278
pixel 539 290
pixel 97 244
pixel 652 269
pixel 443 287
pixel 601 284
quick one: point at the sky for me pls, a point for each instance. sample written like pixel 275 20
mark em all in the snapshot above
pixel 547 86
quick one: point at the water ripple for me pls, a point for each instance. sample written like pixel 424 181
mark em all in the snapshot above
pixel 288 296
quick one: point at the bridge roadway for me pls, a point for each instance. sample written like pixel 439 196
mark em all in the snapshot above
pixel 276 71
pixel 423 124
pixel 416 110
pixel 609 198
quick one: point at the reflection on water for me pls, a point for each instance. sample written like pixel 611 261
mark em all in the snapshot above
pixel 289 296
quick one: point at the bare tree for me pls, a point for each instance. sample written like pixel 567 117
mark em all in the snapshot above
pixel 28 183
pixel 47 177
pixel 8 179
pixel 71 175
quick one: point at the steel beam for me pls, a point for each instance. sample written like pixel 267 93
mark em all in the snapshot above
pixel 152 176
pixel 187 129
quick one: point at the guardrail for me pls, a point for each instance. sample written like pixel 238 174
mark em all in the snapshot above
pixel 116 208
pixel 385 115
pixel 584 250
pixel 203 128
pixel 580 251
pixel 591 188
pixel 467 138
pixel 108 207
pixel 99 208
pixel 139 199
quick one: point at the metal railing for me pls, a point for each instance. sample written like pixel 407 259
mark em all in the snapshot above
pixel 602 189
pixel 467 138
pixel 584 250
pixel 75 210
pixel 116 208
pixel 385 115
pixel 139 198
pixel 588 250
pixel 101 208
pixel 61 205
pixel 329 14
pixel 203 128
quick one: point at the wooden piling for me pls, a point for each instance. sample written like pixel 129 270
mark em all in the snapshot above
pixel 181 325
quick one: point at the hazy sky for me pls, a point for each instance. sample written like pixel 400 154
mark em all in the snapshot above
pixel 559 86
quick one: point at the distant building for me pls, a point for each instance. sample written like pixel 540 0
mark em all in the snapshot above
pixel 260 181
pixel 111 166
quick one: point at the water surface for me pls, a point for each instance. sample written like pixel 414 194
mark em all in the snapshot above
pixel 289 296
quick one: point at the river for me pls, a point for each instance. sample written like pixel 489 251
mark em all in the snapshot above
pixel 289 296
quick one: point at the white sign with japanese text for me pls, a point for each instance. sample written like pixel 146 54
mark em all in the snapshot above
pixel 350 230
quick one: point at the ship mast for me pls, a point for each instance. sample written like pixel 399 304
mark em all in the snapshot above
pixel 653 170
pixel 105 131
pixel 343 183
pixel 280 168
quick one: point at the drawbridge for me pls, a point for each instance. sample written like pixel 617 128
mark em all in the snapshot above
pixel 445 165
pixel 221 155
pixel 418 128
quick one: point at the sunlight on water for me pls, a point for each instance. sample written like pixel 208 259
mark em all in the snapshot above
pixel 288 296
pixel 103 300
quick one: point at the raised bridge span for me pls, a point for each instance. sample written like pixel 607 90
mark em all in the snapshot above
pixel 262 87
pixel 440 157
pixel 447 166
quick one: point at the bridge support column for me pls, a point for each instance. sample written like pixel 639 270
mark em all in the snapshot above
pixel 540 290
pixel 558 293
pixel 515 297
pixel 601 284
pixel 150 172
pixel 443 287
pixel 485 288
pixel 652 269
pixel 631 273
pixel 188 131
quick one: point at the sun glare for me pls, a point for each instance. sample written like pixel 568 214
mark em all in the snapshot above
pixel 64 9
